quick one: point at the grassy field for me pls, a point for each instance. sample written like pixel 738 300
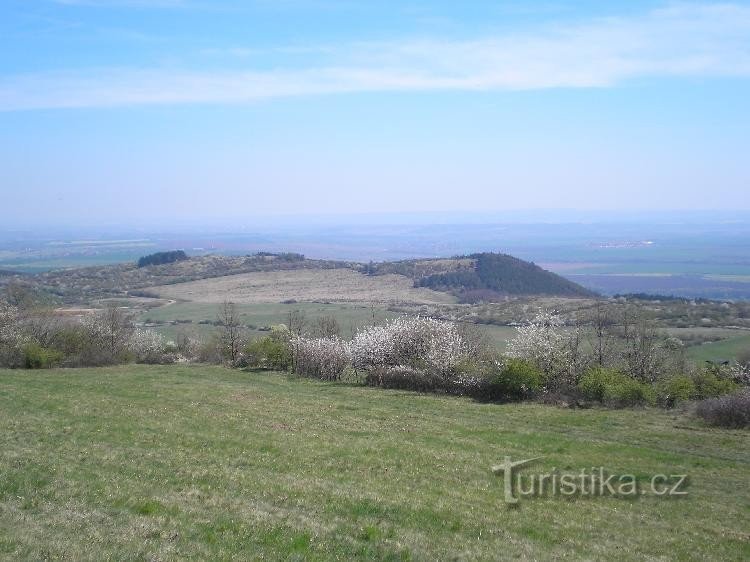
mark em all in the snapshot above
pixel 349 316
pixel 196 462
pixel 724 350
pixel 337 285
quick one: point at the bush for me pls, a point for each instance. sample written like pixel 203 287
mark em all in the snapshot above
pixel 320 358
pixel 732 411
pixel 403 377
pixel 515 380
pixel 614 388
pixel 210 351
pixel 417 342
pixel 594 382
pixel 625 391
pixel 149 347
pixel 268 352
pixel 708 384
pixel 675 389
pixel 37 357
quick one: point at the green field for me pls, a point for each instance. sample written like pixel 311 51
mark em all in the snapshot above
pixel 350 316
pixel 197 462
pixel 724 350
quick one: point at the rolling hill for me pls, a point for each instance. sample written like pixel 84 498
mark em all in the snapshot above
pixel 487 276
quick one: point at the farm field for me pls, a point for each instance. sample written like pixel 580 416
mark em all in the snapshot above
pixel 350 316
pixel 188 316
pixel 337 285
pixel 724 350
pixel 198 462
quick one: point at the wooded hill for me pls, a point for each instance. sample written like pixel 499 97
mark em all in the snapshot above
pixel 488 275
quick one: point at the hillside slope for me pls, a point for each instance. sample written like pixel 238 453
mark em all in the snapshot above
pixel 204 463
pixel 489 275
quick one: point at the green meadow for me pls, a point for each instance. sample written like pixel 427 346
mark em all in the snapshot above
pixel 198 462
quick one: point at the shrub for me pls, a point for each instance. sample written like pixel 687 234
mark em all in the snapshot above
pixel 625 391
pixel 614 388
pixel 12 338
pixel 210 351
pixel 709 384
pixel 515 380
pixel 406 378
pixel 37 357
pixel 675 389
pixel 594 382
pixel 269 352
pixel 418 342
pixel 740 372
pixel 732 411
pixel 148 347
pixel 320 358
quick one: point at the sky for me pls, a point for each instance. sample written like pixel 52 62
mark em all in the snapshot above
pixel 129 111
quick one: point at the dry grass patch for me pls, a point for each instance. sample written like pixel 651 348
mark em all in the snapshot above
pixel 335 285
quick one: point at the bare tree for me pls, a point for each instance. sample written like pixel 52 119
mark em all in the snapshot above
pixel 644 353
pixel 296 322
pixel 373 314
pixel 601 322
pixel 231 331
pixel 327 327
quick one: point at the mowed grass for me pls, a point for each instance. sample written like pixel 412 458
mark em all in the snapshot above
pixel 197 462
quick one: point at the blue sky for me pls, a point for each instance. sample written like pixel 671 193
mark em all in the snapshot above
pixel 138 110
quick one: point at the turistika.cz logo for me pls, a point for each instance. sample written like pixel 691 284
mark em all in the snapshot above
pixel 594 481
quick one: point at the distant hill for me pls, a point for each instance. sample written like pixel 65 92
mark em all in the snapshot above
pixel 473 278
pixel 487 276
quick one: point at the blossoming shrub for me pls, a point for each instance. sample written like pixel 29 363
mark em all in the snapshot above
pixel 12 339
pixel 149 347
pixel 320 358
pixel 543 342
pixel 417 348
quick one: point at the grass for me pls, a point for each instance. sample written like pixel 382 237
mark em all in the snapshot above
pixel 197 462
pixel 350 316
pixel 309 284
pixel 268 314
pixel 723 350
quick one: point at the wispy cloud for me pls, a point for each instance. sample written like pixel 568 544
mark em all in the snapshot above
pixel 123 3
pixel 682 40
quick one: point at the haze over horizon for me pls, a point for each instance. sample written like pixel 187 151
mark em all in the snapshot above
pixel 133 110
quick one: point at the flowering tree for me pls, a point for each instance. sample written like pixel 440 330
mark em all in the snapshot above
pixel 417 342
pixel 147 346
pixel 12 337
pixel 320 358
pixel 543 342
